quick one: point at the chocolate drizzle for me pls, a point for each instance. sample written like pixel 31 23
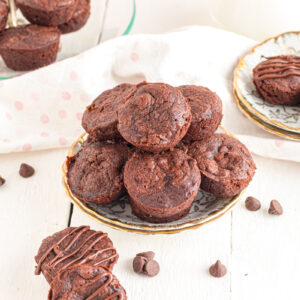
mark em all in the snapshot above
pixel 84 247
pixel 278 67
pixel 86 282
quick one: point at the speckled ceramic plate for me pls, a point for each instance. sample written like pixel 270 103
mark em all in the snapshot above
pixel 118 214
pixel 266 126
pixel 285 118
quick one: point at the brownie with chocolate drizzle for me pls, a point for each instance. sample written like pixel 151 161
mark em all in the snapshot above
pixel 277 79
pixel 86 282
pixel 74 246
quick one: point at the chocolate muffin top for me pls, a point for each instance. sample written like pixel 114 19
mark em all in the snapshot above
pixel 3 7
pixel 277 79
pixel 82 6
pixel 161 180
pixel 47 5
pixel 95 173
pixel 79 17
pixel 73 246
pixel 223 158
pixel 28 37
pixel 85 282
pixel 154 118
pixel 4 10
pixel 206 109
pixel 101 116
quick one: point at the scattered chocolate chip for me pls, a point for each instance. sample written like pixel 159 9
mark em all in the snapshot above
pixel 252 204
pixel 151 268
pixel 138 264
pixel 26 170
pixel 275 208
pixel 2 180
pixel 144 263
pixel 149 255
pixel 217 269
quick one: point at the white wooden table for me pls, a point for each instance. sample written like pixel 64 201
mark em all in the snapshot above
pixel 261 252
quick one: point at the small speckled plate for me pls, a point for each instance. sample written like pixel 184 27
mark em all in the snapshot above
pixel 285 119
pixel 266 126
pixel 118 215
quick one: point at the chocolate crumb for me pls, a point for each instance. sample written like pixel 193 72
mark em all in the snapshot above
pixel 2 180
pixel 138 264
pixel 252 204
pixel 26 170
pixel 149 255
pixel 151 268
pixel 275 208
pixel 217 269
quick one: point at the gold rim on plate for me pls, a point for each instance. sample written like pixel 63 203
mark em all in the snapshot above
pixel 238 95
pixel 136 228
pixel 266 126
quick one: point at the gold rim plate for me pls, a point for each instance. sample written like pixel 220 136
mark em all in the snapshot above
pixel 266 126
pixel 116 222
pixel 261 118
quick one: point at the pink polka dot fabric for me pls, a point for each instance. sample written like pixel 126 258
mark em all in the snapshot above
pixel 43 109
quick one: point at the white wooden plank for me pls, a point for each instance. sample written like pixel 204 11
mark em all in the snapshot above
pixel 31 209
pixel 184 259
pixel 267 247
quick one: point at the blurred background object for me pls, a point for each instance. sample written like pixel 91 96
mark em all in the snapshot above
pixel 258 19
pixel 105 22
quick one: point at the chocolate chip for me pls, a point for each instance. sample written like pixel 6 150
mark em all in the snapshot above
pixel 138 264
pixel 26 170
pixel 275 208
pixel 2 180
pixel 151 268
pixel 217 269
pixel 252 204
pixel 149 255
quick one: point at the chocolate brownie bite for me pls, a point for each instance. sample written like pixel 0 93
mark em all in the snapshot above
pixel 4 10
pixel 29 47
pixel 47 12
pixel 95 173
pixel 86 282
pixel 100 118
pixel 72 246
pixel 206 109
pixel 155 117
pixel 162 186
pixel 277 79
pixel 79 17
pixel 225 164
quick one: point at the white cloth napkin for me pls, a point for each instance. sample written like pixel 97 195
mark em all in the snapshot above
pixel 43 109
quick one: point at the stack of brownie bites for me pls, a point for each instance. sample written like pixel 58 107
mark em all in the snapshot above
pixel 157 143
pixel 28 47
pixel 77 263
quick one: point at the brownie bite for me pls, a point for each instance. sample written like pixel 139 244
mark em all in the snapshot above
pixel 47 12
pixel 155 117
pixel 225 164
pixel 79 17
pixel 74 246
pixel 4 10
pixel 86 282
pixel 100 118
pixel 95 173
pixel 29 47
pixel 277 79
pixel 162 186
pixel 206 109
